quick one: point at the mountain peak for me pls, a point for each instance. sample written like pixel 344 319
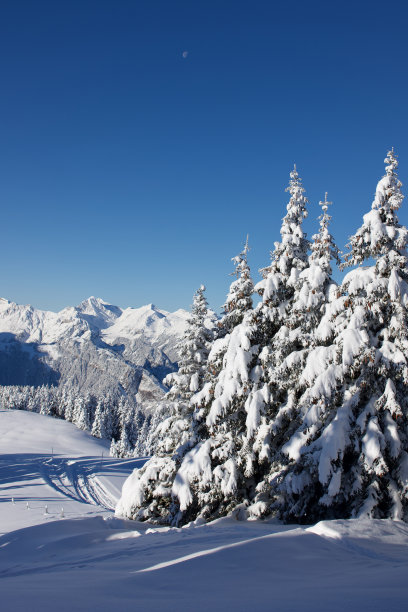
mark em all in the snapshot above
pixel 147 307
pixel 93 302
pixel 97 312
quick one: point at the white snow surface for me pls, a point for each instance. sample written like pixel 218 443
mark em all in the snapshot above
pixel 89 560
pixel 47 461
pixel 148 320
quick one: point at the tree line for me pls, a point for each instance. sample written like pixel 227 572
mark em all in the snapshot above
pixel 113 417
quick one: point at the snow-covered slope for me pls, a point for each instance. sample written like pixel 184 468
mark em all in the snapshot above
pixel 96 347
pixel 49 462
pixel 148 323
pixel 89 560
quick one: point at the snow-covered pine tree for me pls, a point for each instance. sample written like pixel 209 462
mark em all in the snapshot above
pixel 284 359
pixel 231 459
pixel 123 410
pixel 193 350
pixel 288 419
pixel 145 423
pixel 32 405
pixel 313 292
pixel 226 347
pixel 217 469
pixel 147 492
pixel 80 416
pixel 123 447
pixel 283 276
pixel 47 400
pixel 158 434
pixel 150 435
pixel 239 298
pixel 102 426
pixel 59 402
pixel 351 457
pixel 114 448
pixel 238 304
pixel 98 426
pixel 280 332
pixel 68 400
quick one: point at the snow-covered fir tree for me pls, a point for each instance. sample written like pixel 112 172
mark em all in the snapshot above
pixel 150 429
pixel 126 421
pixel 238 304
pixel 217 469
pixel 270 405
pixel 68 402
pixel 145 427
pixel 44 399
pixel 349 456
pixel 158 434
pixel 123 447
pixel 102 426
pixel 284 276
pixel 81 415
pixel 150 487
pixel 193 349
pixel 307 298
pixel 239 298
pixel 284 360
pixel 313 291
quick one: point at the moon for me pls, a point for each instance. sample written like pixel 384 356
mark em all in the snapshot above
pixel 185 54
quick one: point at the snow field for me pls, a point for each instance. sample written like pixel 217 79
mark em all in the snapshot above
pixel 49 468
pixel 90 560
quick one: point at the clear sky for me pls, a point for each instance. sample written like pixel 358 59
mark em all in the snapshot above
pixel 132 173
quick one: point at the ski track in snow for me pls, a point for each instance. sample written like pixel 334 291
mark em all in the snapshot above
pixel 75 479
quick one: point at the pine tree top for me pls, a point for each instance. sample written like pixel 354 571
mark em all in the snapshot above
pixel 239 298
pixel 381 233
pixel 290 256
pixel 323 246
pixel 388 196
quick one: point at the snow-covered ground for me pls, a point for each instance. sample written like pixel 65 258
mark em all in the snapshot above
pixel 89 560
pixel 48 462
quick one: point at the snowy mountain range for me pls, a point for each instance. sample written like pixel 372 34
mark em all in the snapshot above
pixel 95 347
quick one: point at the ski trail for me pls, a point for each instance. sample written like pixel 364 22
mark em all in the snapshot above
pixel 76 480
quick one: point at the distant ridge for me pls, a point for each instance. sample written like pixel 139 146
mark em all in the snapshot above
pixel 95 347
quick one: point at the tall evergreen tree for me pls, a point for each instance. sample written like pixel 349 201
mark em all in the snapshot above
pixel 68 400
pixel 238 304
pixel 313 292
pixel 285 358
pixel 193 349
pixel 239 298
pixel 80 416
pixel 102 426
pixel 149 430
pixel 285 422
pixel 281 335
pixel 149 489
pixel 351 457
pixel 217 470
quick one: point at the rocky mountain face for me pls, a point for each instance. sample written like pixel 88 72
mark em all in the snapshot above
pixel 95 347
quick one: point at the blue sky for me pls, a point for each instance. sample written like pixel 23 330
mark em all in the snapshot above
pixel 134 174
